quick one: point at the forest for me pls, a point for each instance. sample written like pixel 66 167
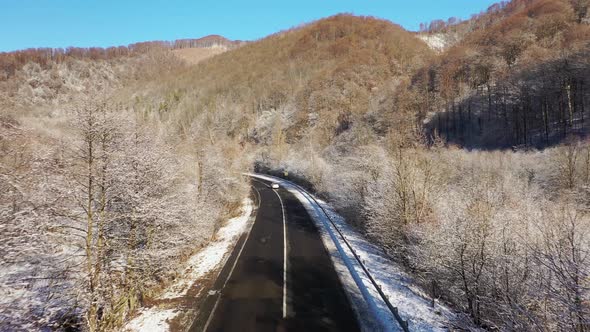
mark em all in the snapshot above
pixel 520 82
pixel 467 164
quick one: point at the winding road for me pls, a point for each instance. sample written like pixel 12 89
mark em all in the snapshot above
pixel 279 277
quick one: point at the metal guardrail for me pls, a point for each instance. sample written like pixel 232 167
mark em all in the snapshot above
pixel 394 311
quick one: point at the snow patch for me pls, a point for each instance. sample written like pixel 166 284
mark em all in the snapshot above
pixel 211 257
pixel 152 320
pixel 436 42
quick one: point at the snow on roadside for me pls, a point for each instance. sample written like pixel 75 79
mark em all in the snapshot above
pixel 210 257
pixel 412 303
pixel 155 319
pixel 152 319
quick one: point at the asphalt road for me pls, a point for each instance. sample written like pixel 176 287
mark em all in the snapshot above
pixel 279 276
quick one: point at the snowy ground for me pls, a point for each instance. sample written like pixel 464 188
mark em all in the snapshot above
pixel 152 319
pixel 413 305
pixel 212 257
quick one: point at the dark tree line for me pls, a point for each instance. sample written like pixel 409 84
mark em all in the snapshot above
pixel 520 81
pixel 536 108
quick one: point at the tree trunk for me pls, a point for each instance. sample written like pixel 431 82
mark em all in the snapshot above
pixel 545 111
pixel 489 101
pixel 89 137
pixel 570 108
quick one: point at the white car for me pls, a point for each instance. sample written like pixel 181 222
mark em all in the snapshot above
pixel 274 185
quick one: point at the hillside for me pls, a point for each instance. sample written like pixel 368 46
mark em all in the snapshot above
pixel 320 78
pixel 517 77
pixel 33 77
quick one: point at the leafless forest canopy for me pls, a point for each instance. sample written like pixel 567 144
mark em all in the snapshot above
pixel 469 163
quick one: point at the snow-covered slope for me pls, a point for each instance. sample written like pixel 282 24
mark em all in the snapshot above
pixel 438 41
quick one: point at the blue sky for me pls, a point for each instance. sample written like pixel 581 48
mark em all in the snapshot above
pixel 83 23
